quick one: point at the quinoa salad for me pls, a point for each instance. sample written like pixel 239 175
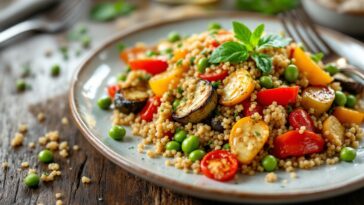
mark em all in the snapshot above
pixel 223 102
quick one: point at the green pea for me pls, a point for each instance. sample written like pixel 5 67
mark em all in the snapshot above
pixel 168 50
pixel 350 101
pixel 173 37
pixel 269 163
pixel 226 146
pixel 214 26
pixel 347 154
pixel 21 85
pixel 196 155
pixel 175 104
pixel 45 156
pixel 151 53
pixel 192 60
pixel 190 143
pixel 173 145
pixel 104 103
pixel 266 81
pixel 291 73
pixel 55 70
pixel 202 64
pixel 31 180
pixel 340 98
pixel 121 77
pixel 180 135
pixel 331 69
pixel 117 132
pixel 85 41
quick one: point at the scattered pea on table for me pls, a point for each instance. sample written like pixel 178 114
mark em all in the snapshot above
pixel 31 180
pixel 45 156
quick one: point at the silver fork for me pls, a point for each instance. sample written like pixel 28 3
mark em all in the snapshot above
pixel 64 15
pixel 301 28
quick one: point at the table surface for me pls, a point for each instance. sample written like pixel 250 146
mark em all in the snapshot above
pixel 110 184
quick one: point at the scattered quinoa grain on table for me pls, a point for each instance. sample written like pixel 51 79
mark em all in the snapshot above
pixel 23 128
pixel 17 140
pixel 24 165
pixel 41 117
pixel 4 165
pixel 85 180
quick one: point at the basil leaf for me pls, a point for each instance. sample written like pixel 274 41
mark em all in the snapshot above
pixel 229 52
pixel 263 62
pixel 123 8
pixel 317 57
pixel 103 12
pixel 275 41
pixel 242 33
pixel 255 37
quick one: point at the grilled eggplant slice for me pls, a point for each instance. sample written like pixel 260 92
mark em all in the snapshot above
pixel 131 100
pixel 349 84
pixel 204 103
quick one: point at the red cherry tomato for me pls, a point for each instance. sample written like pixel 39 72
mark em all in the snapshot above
pixel 214 76
pixel 112 90
pixel 283 96
pixel 152 66
pixel 247 112
pixel 299 117
pixel 150 108
pixel 219 165
pixel 215 44
pixel 292 143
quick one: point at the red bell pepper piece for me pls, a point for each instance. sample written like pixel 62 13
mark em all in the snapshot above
pixel 300 117
pixel 214 76
pixel 246 104
pixel 112 90
pixel 215 44
pixel 292 143
pixel 283 96
pixel 150 108
pixel 152 66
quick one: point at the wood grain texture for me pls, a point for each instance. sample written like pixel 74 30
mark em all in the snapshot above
pixel 110 184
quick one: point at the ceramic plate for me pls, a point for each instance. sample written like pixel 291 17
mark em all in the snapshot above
pixel 100 69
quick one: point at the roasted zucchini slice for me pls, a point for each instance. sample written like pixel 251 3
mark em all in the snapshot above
pixel 203 103
pixel 131 100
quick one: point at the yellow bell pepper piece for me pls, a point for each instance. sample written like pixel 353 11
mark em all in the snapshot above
pixel 169 79
pixel 315 75
pixel 345 115
pixel 179 54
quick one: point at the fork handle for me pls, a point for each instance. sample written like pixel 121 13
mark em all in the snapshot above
pixel 353 70
pixel 17 29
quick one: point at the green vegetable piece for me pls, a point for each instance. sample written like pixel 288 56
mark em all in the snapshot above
pixel 196 155
pixel 151 53
pixel 175 104
pixel 180 135
pixel 173 145
pixel 168 50
pixel 55 70
pixel 121 77
pixel 190 144
pixel 214 26
pixel 226 146
pixel 85 41
pixel 202 65
pixel 291 73
pixel 120 47
pixel 32 180
pixel 264 62
pixel 269 163
pixel 104 103
pixel 266 81
pixel 317 57
pixel 179 90
pixel 347 154
pixel 331 69
pixel 350 101
pixel 192 60
pixel 174 37
pixel 21 85
pixel 117 132
pixel 340 98
pixel 216 84
pixel 45 156
pixel 103 12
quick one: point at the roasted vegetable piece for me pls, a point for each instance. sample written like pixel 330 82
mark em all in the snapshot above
pixel 248 112
pixel 168 79
pixel 131 53
pixel 283 96
pixel 216 124
pixel 247 138
pixel 294 144
pixel 219 165
pixel 349 84
pixel 150 108
pixel 346 115
pixel 131 100
pixel 318 98
pixel 112 90
pixel 237 87
pixel 152 66
pixel 203 103
pixel 333 130
pixel 315 75
pixel 214 76
pixel 299 117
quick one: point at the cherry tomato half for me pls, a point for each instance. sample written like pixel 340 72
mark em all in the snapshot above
pixel 247 112
pixel 300 117
pixel 219 165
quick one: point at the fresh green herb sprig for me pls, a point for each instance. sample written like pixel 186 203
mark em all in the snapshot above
pixel 317 57
pixel 266 6
pixel 108 11
pixel 249 45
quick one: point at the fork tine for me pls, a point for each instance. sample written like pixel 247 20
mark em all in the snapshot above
pixel 73 16
pixel 285 26
pixel 64 8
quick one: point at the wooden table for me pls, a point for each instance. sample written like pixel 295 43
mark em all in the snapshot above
pixel 110 184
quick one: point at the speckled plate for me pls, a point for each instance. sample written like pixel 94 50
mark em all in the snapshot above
pixel 100 69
